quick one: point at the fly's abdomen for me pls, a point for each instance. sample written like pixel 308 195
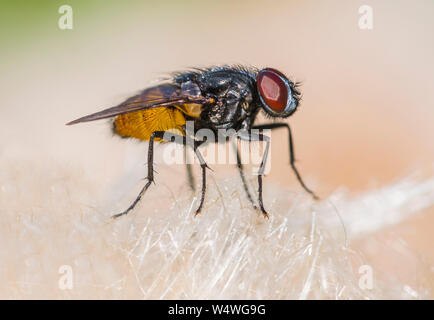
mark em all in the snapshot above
pixel 142 124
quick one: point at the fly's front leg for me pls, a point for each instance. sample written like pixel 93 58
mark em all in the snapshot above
pixel 272 126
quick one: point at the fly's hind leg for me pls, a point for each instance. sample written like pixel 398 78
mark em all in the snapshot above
pixel 204 166
pixel 190 175
pixel 173 138
pixel 150 177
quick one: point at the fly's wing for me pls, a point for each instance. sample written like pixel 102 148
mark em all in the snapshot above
pixel 187 99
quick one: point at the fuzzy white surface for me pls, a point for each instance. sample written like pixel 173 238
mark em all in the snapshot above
pixel 50 218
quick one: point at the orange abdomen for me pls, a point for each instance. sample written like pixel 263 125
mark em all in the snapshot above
pixel 142 124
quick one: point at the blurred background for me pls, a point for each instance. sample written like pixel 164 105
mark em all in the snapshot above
pixel 365 120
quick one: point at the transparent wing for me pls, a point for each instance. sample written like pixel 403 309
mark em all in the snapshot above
pixel 165 95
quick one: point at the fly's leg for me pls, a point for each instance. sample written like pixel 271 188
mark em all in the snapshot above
pixel 188 165
pixel 272 126
pixel 246 136
pixel 243 176
pixel 173 138
pixel 204 166
pixel 190 175
pixel 150 177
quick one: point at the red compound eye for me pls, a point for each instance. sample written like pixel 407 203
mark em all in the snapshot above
pixel 273 89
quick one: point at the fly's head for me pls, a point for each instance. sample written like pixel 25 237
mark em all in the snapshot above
pixel 278 96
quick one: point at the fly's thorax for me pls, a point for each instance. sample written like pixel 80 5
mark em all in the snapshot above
pixel 233 103
pixel 231 90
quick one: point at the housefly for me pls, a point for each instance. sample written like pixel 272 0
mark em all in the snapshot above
pixel 227 97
